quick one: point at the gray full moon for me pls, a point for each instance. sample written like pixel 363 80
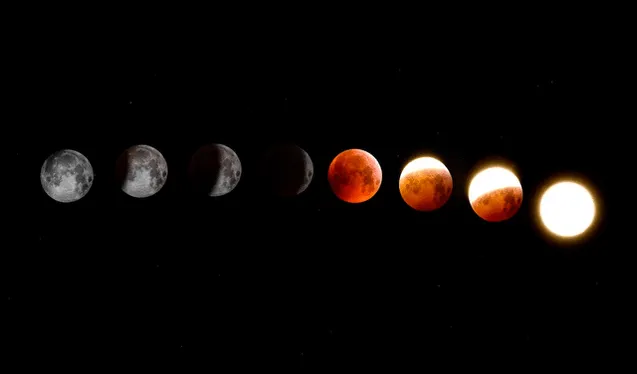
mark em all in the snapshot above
pixel 215 169
pixel 66 176
pixel 141 171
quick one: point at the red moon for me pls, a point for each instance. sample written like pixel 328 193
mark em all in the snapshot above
pixel 355 176
pixel 425 184
pixel 495 194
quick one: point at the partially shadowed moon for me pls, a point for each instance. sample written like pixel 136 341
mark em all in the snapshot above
pixel 287 169
pixel 141 171
pixel 495 194
pixel 355 176
pixel 66 176
pixel 425 184
pixel 215 170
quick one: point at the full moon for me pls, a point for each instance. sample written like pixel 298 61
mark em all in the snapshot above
pixel 355 176
pixel 287 169
pixel 141 171
pixel 425 184
pixel 567 209
pixel 215 170
pixel 495 194
pixel 66 176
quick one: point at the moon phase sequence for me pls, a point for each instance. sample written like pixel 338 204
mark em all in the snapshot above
pixel 567 209
pixel 66 176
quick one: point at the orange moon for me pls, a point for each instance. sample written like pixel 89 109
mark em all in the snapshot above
pixel 354 176
pixel 495 194
pixel 425 184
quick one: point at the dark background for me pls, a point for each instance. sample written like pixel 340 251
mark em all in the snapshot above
pixel 250 280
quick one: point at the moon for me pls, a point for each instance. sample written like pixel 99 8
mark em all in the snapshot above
pixel 215 169
pixel 567 209
pixel 495 194
pixel 141 171
pixel 288 169
pixel 66 176
pixel 355 176
pixel 425 184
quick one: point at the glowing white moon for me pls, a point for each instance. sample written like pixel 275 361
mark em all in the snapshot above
pixel 491 179
pixel 567 209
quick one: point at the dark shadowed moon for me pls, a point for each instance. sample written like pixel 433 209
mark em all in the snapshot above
pixel 287 169
pixel 66 176
pixel 141 171
pixel 215 169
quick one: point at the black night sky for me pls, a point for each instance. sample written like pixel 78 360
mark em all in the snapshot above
pixel 249 280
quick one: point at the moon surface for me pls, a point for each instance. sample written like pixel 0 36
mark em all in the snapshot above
pixel 425 184
pixel 66 176
pixel 567 209
pixel 288 169
pixel 355 176
pixel 141 171
pixel 495 194
pixel 215 169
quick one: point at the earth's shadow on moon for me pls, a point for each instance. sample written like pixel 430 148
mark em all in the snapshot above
pixel 121 168
pixel 207 167
pixel 286 169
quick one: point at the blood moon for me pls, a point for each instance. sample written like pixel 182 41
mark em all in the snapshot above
pixel 354 176
pixel 425 184
pixel 495 194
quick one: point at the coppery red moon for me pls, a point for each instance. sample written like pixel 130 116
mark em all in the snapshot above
pixel 355 176
pixel 425 184
pixel 495 194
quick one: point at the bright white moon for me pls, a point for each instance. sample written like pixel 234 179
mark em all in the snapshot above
pixel 491 179
pixel 567 209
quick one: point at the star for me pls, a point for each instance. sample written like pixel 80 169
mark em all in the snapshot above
pixel 130 102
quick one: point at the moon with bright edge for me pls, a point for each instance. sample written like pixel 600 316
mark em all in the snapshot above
pixel 425 184
pixel 567 209
pixel 495 194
